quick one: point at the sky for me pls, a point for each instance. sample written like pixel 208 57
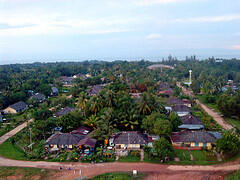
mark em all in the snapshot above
pixel 74 30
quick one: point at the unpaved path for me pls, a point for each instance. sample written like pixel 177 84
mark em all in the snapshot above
pixel 209 111
pixel 91 170
pixel 14 131
pixel 214 115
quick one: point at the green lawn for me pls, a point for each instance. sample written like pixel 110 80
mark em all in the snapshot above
pixel 199 155
pixel 184 155
pixel 8 150
pixel 23 173
pixel 233 176
pixel 118 176
pixel 129 158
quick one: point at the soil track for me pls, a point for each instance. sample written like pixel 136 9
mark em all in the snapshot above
pixel 209 111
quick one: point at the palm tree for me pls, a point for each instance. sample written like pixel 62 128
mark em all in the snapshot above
pixel 92 121
pixel 144 106
pixel 94 105
pixel 81 102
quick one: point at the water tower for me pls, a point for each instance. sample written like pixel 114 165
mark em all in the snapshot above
pixel 190 77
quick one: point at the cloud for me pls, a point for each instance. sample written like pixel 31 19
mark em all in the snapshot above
pixel 154 36
pixel 236 47
pixel 7 26
pixel 153 2
pixel 207 19
pixel 22 26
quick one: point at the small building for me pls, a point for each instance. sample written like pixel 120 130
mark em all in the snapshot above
pixel 65 141
pixel 135 95
pixel 87 144
pixel 129 140
pixel 194 140
pixel 54 91
pixel 167 92
pixel 176 101
pixel 94 91
pixel 16 108
pixel 191 122
pixel 38 97
pixel 64 111
pixel 181 110
pixel 82 131
pixel 67 81
pixel 168 109
pixel 163 85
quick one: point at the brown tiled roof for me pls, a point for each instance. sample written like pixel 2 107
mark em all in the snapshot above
pixel 130 137
pixel 190 119
pixel 193 136
pixel 181 108
pixel 19 106
pixel 64 139
pixel 95 89
pixel 81 130
pixel 87 141
pixel 38 97
pixel 64 111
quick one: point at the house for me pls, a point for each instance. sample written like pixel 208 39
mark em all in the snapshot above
pixel 181 110
pixel 129 140
pixel 87 144
pixel 38 97
pixel 81 76
pixel 135 95
pixel 191 122
pixel 63 141
pixel 176 101
pixel 163 85
pixel 15 108
pixel 95 90
pixel 67 81
pixel 167 92
pixel 194 140
pixel 54 91
pixel 82 130
pixel 67 141
pixel 64 111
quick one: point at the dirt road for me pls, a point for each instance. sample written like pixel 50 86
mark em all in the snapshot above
pixel 91 170
pixel 14 131
pixel 209 111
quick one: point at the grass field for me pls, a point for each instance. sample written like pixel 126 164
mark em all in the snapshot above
pixel 199 157
pixel 8 150
pixel 233 176
pixel 23 173
pixel 184 155
pixel 118 176
pixel 129 158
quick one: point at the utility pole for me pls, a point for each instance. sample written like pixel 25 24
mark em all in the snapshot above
pixel 30 131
